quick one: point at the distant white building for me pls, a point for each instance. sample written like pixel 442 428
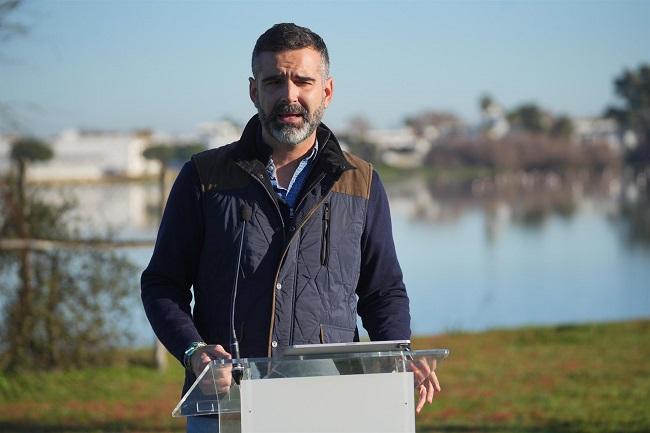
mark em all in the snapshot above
pixel 219 133
pixel 494 123
pixel 596 129
pixel 90 155
pixel 402 147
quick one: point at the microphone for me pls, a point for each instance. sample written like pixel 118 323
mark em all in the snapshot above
pixel 245 213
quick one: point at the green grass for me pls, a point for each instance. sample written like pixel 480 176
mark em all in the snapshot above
pixel 590 378
pixel 131 397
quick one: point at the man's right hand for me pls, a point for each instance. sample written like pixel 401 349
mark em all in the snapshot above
pixel 223 374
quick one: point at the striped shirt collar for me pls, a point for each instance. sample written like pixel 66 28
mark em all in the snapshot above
pixel 291 192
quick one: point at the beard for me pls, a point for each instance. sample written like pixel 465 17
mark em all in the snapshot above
pixel 290 135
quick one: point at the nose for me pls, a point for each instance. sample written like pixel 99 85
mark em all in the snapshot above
pixel 290 92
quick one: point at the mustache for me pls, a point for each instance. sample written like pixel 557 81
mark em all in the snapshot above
pixel 289 109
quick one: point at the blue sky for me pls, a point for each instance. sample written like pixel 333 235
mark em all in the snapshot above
pixel 171 65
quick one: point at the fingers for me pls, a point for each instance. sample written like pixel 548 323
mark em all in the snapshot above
pixel 223 382
pixel 421 371
pixel 223 372
pixel 219 352
pixel 422 391
pixel 418 372
pixel 426 382
pixel 218 380
pixel 430 392
pixel 198 361
pixel 424 366
pixel 434 379
pixel 204 355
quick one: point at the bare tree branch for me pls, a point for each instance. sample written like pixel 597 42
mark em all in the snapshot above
pixel 9 28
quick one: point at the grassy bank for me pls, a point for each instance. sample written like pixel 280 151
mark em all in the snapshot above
pixel 561 379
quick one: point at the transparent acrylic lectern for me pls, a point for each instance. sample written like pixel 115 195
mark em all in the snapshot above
pixel 365 391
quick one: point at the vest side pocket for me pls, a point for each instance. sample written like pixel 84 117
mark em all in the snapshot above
pixel 325 238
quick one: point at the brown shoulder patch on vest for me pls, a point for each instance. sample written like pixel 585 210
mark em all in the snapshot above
pixel 217 170
pixel 356 181
pixel 228 176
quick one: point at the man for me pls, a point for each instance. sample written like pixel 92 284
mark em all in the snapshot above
pixel 318 246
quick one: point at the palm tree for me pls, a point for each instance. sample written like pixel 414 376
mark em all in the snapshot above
pixel 24 151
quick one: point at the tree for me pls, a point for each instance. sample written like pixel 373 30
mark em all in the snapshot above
pixel 21 323
pixel 562 127
pixel 64 306
pixel 441 121
pixel 26 150
pixel 530 118
pixel 165 155
pixel 357 140
pixel 633 88
pixel 8 30
pixel 358 126
pixel 485 101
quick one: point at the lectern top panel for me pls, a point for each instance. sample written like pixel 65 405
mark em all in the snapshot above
pixel 340 348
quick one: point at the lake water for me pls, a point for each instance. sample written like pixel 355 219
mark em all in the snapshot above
pixel 479 254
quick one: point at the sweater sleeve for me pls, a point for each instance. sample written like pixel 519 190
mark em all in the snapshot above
pixel 166 282
pixel 383 302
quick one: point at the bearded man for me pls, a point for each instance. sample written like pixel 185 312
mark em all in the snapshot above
pixel 318 246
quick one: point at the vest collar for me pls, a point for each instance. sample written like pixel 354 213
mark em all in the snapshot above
pixel 252 153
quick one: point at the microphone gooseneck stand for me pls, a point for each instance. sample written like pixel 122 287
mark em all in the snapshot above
pixel 237 368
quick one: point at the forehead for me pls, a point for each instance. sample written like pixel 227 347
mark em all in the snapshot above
pixel 303 61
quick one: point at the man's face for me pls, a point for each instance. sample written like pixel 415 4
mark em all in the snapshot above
pixel 291 92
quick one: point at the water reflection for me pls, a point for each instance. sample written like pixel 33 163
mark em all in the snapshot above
pixel 504 250
pixel 634 210
pixel 512 250
pixel 127 209
pixel 528 200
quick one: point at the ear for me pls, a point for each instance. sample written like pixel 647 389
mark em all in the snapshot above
pixel 252 90
pixel 329 91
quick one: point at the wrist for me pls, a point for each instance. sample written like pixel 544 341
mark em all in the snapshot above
pixel 187 357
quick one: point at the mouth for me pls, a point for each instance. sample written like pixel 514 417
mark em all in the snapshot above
pixel 290 118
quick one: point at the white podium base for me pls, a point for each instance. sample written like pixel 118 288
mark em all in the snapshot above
pixel 372 403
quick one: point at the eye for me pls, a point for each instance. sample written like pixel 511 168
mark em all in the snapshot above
pixel 274 81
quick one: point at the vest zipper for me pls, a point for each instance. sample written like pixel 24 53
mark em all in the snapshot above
pixel 286 249
pixel 313 184
pixel 325 244
pixel 277 272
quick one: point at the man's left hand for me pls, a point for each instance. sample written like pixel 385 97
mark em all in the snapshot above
pixel 426 381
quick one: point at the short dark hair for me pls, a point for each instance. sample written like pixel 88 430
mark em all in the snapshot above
pixel 289 36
